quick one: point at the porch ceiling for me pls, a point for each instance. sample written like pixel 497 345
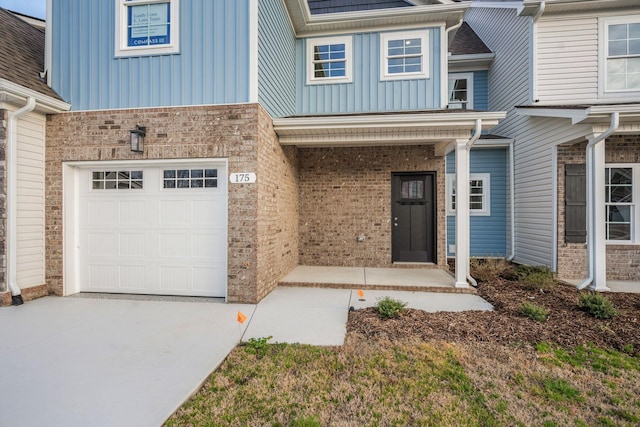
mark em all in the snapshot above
pixel 351 130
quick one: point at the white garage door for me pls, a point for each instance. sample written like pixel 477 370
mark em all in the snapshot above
pixel 153 230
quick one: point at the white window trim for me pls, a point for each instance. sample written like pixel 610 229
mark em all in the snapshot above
pixel 460 76
pixel 121 48
pixel 603 48
pixel 635 206
pixel 486 200
pixel 311 43
pixel 384 71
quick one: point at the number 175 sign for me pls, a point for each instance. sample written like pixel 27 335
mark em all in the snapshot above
pixel 242 178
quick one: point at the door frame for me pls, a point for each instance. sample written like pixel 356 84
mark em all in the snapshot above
pixel 71 202
pixel 434 225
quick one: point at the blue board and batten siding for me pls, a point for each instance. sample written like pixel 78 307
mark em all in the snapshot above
pixel 488 233
pixel 212 66
pixel 367 93
pixel 481 90
pixel 276 59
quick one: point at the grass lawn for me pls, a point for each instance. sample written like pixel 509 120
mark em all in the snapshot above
pixel 412 382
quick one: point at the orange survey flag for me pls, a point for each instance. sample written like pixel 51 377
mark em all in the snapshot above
pixel 241 317
pixel 360 293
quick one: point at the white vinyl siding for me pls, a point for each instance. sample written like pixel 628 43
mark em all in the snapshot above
pixel 567 60
pixel 30 201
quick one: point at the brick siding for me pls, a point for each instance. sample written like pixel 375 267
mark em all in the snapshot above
pixel 346 192
pixel 623 261
pixel 235 132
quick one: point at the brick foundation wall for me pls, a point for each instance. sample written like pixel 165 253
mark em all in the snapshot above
pixel 229 131
pixel 346 192
pixel 277 224
pixel 623 261
pixel 4 116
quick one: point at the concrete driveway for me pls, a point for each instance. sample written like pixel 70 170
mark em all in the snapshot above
pixel 123 362
pixel 103 362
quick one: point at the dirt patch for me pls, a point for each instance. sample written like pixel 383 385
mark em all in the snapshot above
pixel 567 324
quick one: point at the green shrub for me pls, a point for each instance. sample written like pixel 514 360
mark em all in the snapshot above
pixel 533 277
pixel 258 346
pixel 534 312
pixel 489 269
pixel 597 305
pixel 388 307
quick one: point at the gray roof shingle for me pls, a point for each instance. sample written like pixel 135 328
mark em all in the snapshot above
pixel 336 6
pixel 22 54
pixel 467 42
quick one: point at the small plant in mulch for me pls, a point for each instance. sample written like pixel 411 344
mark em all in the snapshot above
pixel 534 312
pixel 597 305
pixel 258 346
pixel 532 277
pixel 488 269
pixel 389 308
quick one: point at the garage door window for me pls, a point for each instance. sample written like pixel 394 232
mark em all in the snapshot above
pixel 190 178
pixel 117 180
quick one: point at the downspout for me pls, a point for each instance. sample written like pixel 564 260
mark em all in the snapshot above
pixel 512 198
pixel 444 98
pixel 11 197
pixel 534 53
pixel 473 140
pixel 615 122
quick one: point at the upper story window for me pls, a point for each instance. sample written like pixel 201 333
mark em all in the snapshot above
pixel 621 62
pixel 461 90
pixel 329 60
pixel 146 27
pixel 404 55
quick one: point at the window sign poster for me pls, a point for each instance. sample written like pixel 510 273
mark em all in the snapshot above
pixel 148 25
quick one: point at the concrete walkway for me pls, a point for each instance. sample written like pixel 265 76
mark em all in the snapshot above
pixel 123 362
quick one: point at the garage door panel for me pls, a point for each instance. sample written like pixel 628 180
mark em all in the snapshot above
pixel 151 240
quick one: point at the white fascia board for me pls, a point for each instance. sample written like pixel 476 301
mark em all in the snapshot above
pixel 480 61
pixel 467 119
pixel 493 143
pixel 496 5
pixel 531 7
pixel 12 93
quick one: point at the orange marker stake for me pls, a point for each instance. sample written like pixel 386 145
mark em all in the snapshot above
pixel 360 294
pixel 241 317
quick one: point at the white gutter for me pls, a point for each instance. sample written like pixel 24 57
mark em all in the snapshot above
pixel 512 198
pixel 11 198
pixel 591 238
pixel 444 68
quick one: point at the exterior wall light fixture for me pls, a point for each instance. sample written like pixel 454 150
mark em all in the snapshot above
pixel 137 138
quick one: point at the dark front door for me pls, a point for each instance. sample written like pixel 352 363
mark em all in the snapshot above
pixel 413 217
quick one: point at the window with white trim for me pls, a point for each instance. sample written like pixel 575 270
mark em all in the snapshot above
pixel 479 194
pixel 461 90
pixel 622 193
pixel 404 55
pixel 146 27
pixel 621 62
pixel 329 60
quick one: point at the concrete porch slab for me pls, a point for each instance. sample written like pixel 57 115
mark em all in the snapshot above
pixel 629 287
pixel 398 279
pixel 431 302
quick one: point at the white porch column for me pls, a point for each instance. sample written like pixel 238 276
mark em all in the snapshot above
pixel 599 219
pixel 462 213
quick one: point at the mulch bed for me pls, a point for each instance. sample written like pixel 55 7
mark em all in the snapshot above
pixel 567 324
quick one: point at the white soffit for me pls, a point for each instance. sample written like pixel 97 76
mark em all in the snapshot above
pixel 381 129
pixel 586 113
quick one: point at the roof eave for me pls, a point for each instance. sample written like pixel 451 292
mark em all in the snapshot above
pixel 481 60
pixel 583 114
pixel 16 94
pixel 531 7
pixel 306 24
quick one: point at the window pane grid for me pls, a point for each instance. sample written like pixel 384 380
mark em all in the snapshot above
pixel 330 60
pixel 477 196
pixel 623 57
pixel 190 178
pixel 404 56
pixel 619 203
pixel 116 180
